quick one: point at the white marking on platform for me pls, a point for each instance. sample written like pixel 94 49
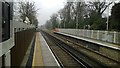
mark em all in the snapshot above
pixel 50 51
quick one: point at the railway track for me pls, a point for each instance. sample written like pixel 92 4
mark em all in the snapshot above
pixel 88 57
pixel 110 61
pixel 87 45
pixel 64 58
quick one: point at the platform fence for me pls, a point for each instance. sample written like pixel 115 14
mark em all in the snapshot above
pixel 107 36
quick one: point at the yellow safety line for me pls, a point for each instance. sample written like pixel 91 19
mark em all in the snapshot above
pixel 38 57
pixel 34 56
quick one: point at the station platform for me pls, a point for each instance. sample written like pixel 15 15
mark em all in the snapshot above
pixel 106 44
pixel 43 55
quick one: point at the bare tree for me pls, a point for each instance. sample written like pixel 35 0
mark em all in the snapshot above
pixel 48 24
pixel 98 6
pixel 72 14
pixel 62 15
pixel 27 9
pixel 53 22
pixel 79 12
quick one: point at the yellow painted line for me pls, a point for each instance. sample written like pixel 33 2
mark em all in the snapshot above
pixel 34 56
pixel 37 57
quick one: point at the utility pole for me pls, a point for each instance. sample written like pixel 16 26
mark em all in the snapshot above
pixel 107 28
pixel 76 25
pixel 77 21
pixel 64 25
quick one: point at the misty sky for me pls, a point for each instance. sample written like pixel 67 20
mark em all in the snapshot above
pixel 47 8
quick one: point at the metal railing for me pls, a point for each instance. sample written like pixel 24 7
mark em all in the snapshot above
pixel 108 36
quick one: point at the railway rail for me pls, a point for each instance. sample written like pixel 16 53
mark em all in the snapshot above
pixel 86 56
pixel 92 46
pixel 64 58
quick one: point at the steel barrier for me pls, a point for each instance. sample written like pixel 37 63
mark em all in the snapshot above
pixel 108 36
